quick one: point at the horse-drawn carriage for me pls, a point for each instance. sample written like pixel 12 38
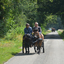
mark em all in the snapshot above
pixel 33 40
pixel 53 29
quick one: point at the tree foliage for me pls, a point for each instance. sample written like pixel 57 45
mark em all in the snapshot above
pixel 15 13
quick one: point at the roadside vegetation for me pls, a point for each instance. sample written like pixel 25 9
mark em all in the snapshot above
pixel 61 33
pixel 46 32
pixel 10 44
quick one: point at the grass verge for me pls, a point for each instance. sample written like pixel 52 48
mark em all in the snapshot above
pixel 61 33
pixel 44 33
pixel 9 48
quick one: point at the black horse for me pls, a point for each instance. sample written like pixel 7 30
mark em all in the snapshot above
pixel 27 42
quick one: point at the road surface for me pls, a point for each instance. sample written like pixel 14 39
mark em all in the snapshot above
pixel 54 53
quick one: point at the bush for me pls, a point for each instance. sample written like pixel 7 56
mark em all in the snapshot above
pixel 12 33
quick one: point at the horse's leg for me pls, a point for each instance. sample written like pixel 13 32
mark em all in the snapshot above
pixel 39 50
pixel 28 49
pixel 23 44
pixel 23 47
pixel 43 47
pixel 35 48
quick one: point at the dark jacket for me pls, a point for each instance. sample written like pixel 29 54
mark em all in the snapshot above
pixel 39 29
pixel 28 30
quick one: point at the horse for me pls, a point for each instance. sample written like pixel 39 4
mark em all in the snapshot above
pixel 27 41
pixel 53 29
pixel 38 41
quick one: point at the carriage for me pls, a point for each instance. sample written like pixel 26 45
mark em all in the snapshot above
pixel 53 29
pixel 33 40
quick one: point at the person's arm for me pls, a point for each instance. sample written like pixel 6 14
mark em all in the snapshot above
pixel 30 30
pixel 40 31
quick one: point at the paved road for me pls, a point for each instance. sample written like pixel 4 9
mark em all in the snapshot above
pixel 54 53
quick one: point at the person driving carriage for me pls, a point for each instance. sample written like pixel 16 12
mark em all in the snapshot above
pixel 27 31
pixel 27 38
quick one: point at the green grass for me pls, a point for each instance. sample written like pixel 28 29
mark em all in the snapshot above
pixel 61 33
pixel 11 43
pixel 9 48
pixel 44 33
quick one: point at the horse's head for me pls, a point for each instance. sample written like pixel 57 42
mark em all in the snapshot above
pixel 35 30
pixel 36 33
pixel 28 36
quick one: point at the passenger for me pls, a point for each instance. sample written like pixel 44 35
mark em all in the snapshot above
pixel 39 29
